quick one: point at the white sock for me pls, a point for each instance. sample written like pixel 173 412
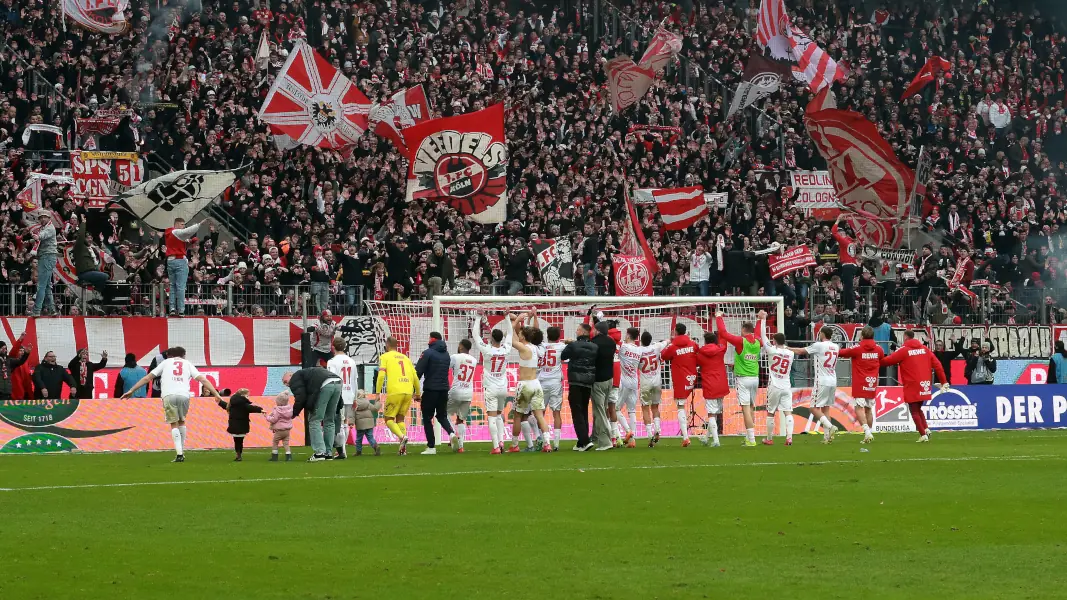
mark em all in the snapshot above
pixel 866 430
pixel 177 437
pixel 461 432
pixel 534 427
pixel 618 430
pixel 557 436
pixel 811 421
pixel 770 426
pixel 501 428
pixel 633 423
pixel 683 423
pixel 494 432
pixel 181 428
pixel 826 424
pixel 713 427
pixel 655 425
pixel 750 434
pixel 789 426
pixel 527 433
pixel 547 434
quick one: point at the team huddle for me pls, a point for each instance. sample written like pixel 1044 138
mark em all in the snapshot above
pixel 618 370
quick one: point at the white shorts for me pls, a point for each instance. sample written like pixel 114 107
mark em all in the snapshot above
pixel 553 394
pixel 713 406
pixel 863 403
pixel 747 388
pixel 529 396
pixel 779 400
pixel 459 403
pixel 628 399
pixel 613 396
pixel 496 399
pixel 651 395
pixel 822 395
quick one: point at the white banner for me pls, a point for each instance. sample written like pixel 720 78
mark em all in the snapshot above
pixel 816 190
pixel 716 199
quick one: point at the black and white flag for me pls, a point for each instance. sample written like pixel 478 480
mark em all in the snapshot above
pixel 555 263
pixel 762 77
pixel 181 194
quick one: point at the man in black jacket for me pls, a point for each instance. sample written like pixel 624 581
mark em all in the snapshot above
pixel 49 377
pixel 7 367
pixel 605 374
pixel 581 356
pixel 318 390
pixel 353 261
pixel 82 370
pixel 432 368
pixel 981 365
pixel 440 270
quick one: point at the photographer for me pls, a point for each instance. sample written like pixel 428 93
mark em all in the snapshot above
pixel 980 365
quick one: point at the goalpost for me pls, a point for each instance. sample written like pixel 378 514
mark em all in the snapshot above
pixel 452 316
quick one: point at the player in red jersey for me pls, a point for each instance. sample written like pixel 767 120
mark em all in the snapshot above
pixel 682 354
pixel 713 384
pixel 916 362
pixel 866 360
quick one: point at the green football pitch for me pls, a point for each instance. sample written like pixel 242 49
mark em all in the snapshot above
pixel 970 515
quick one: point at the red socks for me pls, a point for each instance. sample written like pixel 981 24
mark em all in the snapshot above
pixel 916 409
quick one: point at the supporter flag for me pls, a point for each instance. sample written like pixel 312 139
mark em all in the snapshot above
pixel 772 28
pixel 934 66
pixel 556 264
pixel 104 16
pixel 263 52
pixel 869 179
pixel 793 259
pixel 30 196
pixel 313 103
pixel 635 265
pixel 463 161
pixel 678 207
pixel 181 194
pixel 762 77
pixel 390 118
pixel 627 82
pixel 814 64
pixel 664 46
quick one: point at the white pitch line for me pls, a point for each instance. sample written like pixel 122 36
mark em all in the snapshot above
pixel 89 486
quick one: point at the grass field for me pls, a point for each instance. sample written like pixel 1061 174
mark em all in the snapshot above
pixel 970 515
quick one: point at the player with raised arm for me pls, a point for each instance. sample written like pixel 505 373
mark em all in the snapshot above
pixel 746 371
pixel 461 392
pixel 682 354
pixel 650 386
pixel 631 359
pixel 342 365
pixel 779 388
pixel 823 353
pixel 174 374
pixel 713 384
pixel 529 397
pixel 550 374
pixel 866 360
pixel 917 363
pixel 396 374
pixel 494 378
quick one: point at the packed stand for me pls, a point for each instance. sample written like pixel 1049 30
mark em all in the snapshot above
pixel 341 228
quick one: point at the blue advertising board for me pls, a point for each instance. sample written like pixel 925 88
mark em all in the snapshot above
pixel 998 407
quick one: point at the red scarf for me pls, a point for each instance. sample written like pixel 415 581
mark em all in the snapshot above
pixel 83 372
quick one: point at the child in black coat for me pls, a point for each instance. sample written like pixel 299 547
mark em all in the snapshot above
pixel 239 407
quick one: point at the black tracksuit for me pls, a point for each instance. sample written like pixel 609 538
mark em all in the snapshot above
pixel 581 357
pixel 432 368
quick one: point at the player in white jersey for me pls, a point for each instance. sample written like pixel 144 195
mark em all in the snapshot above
pixel 824 355
pixel 344 367
pixel 461 391
pixel 494 378
pixel 550 374
pixel 174 374
pixel 779 388
pixel 632 357
pixel 529 396
pixel 650 382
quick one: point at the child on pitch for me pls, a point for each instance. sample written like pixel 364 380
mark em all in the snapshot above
pixel 239 407
pixel 281 423
pixel 366 417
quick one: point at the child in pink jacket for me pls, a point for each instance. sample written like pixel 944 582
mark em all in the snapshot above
pixel 281 423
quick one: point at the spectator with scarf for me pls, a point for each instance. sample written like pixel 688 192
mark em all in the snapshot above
pixel 82 370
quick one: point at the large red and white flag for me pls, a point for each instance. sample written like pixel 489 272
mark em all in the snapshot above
pixel 678 207
pixel 104 16
pixel 463 161
pixel 627 82
pixel 773 28
pixel 814 64
pixel 663 46
pixel 389 119
pixel 313 103
pixel 869 180
pixel 635 265
pixel 935 65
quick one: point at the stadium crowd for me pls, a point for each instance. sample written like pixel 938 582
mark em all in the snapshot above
pixel 341 226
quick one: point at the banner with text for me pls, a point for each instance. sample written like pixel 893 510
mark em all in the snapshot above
pixel 793 259
pixel 814 190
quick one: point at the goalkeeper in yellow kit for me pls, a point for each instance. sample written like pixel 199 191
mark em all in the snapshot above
pixel 397 374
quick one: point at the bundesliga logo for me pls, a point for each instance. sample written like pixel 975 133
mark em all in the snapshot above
pixel 467 168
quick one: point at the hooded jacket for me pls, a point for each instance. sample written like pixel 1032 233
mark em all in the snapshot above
pixel 917 363
pixel 581 355
pixel 366 412
pixel 866 360
pixel 239 407
pixel 432 367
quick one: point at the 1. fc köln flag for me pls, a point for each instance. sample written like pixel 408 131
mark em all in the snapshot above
pixel 869 179
pixel 313 103
pixel 556 264
pixel 104 16
pixel 635 265
pixel 463 161
pixel 627 82
pixel 934 66
pixel 663 46
pixel 389 119
pixel 679 208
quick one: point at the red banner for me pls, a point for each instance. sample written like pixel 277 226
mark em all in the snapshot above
pixel 97 180
pixel 390 118
pixel 793 259
pixel 632 275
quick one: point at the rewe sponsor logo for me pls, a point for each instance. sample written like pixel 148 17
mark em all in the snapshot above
pixel 951 409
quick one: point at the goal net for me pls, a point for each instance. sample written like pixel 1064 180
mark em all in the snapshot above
pixel 453 316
